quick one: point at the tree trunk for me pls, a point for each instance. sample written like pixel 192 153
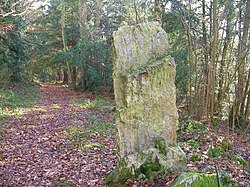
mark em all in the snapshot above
pixel 223 59
pixel 248 99
pixel 245 109
pixel 205 51
pixel 64 40
pixel 65 77
pixel 237 113
pixel 213 59
pixel 74 77
pixel 84 36
pixel 242 58
pixel 98 17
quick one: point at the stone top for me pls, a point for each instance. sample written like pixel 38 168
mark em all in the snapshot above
pixel 138 46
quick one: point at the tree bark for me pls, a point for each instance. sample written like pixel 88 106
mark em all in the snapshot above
pixel 65 77
pixel 84 36
pixel 242 57
pixel 223 58
pixel 98 17
pixel 213 59
pixel 237 111
pixel 64 39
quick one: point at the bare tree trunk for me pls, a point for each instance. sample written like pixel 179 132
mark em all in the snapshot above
pixel 65 77
pixel 248 98
pixel 244 109
pixel 242 58
pixel 237 111
pixel 223 59
pixel 64 40
pixel 98 17
pixel 213 58
pixel 74 77
pixel 84 35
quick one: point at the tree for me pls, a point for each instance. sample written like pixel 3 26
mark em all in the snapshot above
pixel 238 110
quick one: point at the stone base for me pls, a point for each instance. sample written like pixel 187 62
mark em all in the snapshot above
pixel 150 163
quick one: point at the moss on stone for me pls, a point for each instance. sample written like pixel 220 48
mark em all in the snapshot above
pixel 194 179
pixel 160 144
pixel 150 170
pixel 119 176
pixel 147 117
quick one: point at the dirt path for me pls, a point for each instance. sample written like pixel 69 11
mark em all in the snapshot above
pixel 37 151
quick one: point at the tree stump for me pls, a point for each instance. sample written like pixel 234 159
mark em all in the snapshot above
pixel 145 95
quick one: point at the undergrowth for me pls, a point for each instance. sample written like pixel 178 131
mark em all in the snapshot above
pixel 14 99
pixel 207 149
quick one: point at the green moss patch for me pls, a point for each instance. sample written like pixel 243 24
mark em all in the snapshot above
pixel 193 179
pixel 119 176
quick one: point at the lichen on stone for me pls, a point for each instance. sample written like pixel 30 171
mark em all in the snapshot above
pixel 195 179
pixel 145 95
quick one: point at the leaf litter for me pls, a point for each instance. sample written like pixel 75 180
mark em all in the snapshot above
pixel 37 151
pixel 68 140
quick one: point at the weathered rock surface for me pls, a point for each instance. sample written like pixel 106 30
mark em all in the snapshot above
pixel 147 117
pixel 193 179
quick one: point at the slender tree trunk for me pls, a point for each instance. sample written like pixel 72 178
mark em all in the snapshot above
pixel 248 98
pixel 237 113
pixel 74 77
pixel 242 62
pixel 83 35
pixel 98 17
pixel 244 109
pixel 223 59
pixel 213 58
pixel 59 74
pixel 65 76
pixel 64 40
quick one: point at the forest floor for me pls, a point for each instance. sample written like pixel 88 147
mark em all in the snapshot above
pixel 67 138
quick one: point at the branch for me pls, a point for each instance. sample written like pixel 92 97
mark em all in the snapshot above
pixel 13 11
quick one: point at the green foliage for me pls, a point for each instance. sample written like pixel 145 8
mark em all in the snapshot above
pixel 103 129
pixel 22 97
pixel 97 103
pixel 215 152
pixel 12 43
pixel 194 142
pixel 178 49
pixel 150 169
pixel 215 122
pixel 79 135
pixel 226 145
pixel 225 178
pixel 13 100
pixel 195 157
pixel 193 126
pixel 95 54
pixel 141 176
pixel 55 106
pixel 196 180
pixel 119 176
pixel 240 160
pixel 12 56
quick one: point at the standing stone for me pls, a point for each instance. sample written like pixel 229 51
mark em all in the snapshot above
pixel 147 118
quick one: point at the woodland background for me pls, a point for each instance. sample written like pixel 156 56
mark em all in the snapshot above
pixel 71 41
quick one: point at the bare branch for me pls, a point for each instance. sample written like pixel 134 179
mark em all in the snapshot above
pixel 13 7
